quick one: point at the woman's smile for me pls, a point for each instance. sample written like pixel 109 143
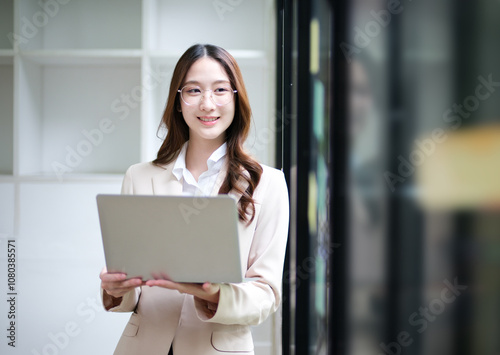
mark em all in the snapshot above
pixel 208 120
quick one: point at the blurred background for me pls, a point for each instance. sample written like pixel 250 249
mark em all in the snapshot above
pixel 383 115
pixel 403 108
pixel 83 85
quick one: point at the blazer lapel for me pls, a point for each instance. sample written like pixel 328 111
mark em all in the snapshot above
pixel 220 180
pixel 165 183
pixel 241 183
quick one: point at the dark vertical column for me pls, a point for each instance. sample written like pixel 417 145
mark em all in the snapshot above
pixel 395 203
pixel 404 218
pixel 280 54
pixel 284 86
pixel 283 144
pixel 303 124
pixel 466 72
pixel 339 146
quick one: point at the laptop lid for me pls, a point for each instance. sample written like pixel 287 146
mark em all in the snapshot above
pixel 181 238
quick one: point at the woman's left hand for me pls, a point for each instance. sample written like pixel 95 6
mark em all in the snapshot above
pixel 207 291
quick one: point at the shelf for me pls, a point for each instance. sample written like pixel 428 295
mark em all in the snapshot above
pixel 78 119
pixel 90 24
pixel 6 56
pixel 256 58
pixel 50 178
pixel 157 100
pixel 227 27
pixel 7 191
pixel 258 82
pixel 83 57
pixel 6 23
pixel 7 178
pixel 6 118
pixel 236 53
pixel 68 178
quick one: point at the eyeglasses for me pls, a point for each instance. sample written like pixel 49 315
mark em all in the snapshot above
pixel 192 95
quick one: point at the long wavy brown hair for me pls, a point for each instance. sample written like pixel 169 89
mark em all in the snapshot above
pixel 238 161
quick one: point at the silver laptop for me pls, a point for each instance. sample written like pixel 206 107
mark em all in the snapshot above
pixel 180 238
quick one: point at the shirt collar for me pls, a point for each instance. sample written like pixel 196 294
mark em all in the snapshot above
pixel 217 156
pixel 213 160
pixel 180 163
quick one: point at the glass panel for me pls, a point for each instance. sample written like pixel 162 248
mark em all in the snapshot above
pixel 319 194
pixel 368 118
pixel 424 197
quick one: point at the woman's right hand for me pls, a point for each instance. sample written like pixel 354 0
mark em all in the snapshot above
pixel 117 284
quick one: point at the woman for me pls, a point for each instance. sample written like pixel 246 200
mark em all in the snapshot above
pixel 208 118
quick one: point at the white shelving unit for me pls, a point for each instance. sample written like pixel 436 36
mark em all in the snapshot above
pixel 6 114
pixel 83 85
pixel 79 25
pixel 71 66
pixel 6 90
pixel 78 130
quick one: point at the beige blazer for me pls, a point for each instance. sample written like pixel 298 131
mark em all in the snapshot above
pixel 164 316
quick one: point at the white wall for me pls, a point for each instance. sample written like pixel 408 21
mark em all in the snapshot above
pixel 64 77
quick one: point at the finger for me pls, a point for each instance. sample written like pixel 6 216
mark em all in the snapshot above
pixel 119 288
pixel 113 277
pixel 125 283
pixel 104 273
pixel 163 283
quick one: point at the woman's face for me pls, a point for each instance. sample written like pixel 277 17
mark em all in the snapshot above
pixel 205 119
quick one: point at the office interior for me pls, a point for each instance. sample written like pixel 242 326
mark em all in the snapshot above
pixel 383 115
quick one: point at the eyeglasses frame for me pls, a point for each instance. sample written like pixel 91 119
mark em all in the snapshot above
pixel 201 98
